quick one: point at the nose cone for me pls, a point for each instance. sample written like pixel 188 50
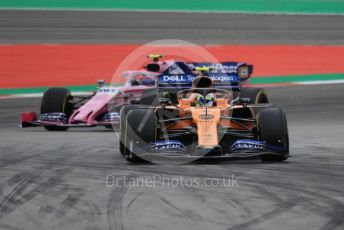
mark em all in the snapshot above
pixel 92 108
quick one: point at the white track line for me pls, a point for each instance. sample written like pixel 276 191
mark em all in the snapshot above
pixel 325 82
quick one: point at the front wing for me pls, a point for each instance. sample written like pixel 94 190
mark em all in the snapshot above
pixel 29 119
pixel 244 148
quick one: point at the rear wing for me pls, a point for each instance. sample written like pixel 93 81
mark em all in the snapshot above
pixel 168 82
pixel 225 75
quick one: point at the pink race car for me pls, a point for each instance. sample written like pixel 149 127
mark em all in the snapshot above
pixel 61 110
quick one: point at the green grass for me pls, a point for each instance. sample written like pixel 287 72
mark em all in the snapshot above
pixel 257 6
pixel 36 90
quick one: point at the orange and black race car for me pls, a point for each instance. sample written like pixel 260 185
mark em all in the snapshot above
pixel 206 121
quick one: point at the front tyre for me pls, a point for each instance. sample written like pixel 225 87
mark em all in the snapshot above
pixel 123 116
pixel 138 130
pixel 57 100
pixel 273 129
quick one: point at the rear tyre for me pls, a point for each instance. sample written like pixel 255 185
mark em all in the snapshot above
pixel 57 100
pixel 261 107
pixel 257 95
pixel 139 129
pixel 149 97
pixel 273 129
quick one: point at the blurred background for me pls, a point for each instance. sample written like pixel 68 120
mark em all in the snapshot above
pixel 73 43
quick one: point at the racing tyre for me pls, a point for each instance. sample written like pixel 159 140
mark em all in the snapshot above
pixel 139 128
pixel 123 114
pixel 57 100
pixel 257 95
pixel 257 108
pixel 149 97
pixel 273 129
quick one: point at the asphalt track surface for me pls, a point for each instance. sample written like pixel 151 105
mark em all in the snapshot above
pixel 56 180
pixel 18 26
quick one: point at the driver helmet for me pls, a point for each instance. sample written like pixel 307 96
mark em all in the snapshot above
pixel 208 101
pixel 134 82
pixel 147 82
pixel 203 82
